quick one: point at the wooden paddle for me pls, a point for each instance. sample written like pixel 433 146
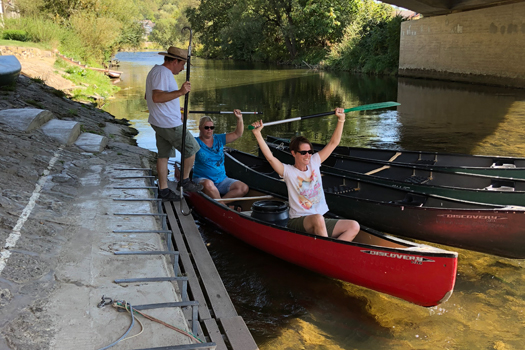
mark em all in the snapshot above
pixel 358 108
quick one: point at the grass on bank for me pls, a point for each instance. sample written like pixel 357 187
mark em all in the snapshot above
pixel 94 86
pixel 40 46
pixel 48 35
pixel 44 34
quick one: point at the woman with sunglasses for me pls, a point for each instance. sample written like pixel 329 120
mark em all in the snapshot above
pixel 305 187
pixel 209 162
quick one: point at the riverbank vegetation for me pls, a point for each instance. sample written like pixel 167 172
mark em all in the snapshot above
pixel 90 31
pixel 355 35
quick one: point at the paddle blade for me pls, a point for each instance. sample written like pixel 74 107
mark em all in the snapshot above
pixel 373 106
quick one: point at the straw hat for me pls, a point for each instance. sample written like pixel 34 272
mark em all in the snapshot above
pixel 175 52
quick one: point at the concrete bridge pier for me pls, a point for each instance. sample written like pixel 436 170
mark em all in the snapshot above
pixel 485 46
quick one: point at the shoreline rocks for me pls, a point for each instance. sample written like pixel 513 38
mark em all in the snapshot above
pixel 29 277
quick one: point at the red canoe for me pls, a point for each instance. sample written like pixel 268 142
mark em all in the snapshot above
pixel 417 273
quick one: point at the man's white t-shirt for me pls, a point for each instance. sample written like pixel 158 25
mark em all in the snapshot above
pixel 305 189
pixel 166 114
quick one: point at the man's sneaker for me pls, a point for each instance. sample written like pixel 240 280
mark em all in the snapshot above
pixel 168 195
pixel 189 186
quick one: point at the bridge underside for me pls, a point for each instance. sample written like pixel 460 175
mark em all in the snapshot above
pixel 484 46
pixel 442 7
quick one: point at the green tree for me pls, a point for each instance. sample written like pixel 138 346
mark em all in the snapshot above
pixel 279 14
pixel 131 36
pixel 269 29
pixel 170 18
pixel 323 22
pixel 208 20
pixel 90 30
pixel 371 41
pixel 29 8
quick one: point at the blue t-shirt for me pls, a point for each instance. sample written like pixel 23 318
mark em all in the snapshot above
pixel 209 161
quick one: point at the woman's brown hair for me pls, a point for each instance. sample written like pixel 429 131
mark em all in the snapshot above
pixel 297 141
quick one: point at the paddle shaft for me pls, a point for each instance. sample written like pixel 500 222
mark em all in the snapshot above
pixel 223 112
pixel 298 118
pixel 213 112
pixel 243 198
pixel 184 122
pixel 358 108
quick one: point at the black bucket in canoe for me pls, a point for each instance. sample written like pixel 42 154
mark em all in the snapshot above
pixel 275 212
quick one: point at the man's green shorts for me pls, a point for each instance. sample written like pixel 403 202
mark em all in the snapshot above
pixel 297 224
pixel 169 138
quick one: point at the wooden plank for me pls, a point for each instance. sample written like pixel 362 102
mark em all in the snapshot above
pixel 394 157
pixel 378 170
pixel 184 259
pixel 220 301
pixel 238 333
pixel 215 334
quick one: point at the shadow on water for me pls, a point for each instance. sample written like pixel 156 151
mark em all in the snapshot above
pixel 453 117
pixel 226 65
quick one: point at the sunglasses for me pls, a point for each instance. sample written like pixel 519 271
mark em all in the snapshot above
pixel 303 153
pixel 209 127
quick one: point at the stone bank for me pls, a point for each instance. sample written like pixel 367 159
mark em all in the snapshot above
pixel 57 223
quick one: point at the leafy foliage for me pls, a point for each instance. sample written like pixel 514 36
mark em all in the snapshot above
pixel 89 30
pixel 283 30
pixel 371 43
pixel 169 17
pixel 15 34
pixel 357 35
pixel 341 34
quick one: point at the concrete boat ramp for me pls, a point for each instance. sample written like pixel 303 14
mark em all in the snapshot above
pixel 92 240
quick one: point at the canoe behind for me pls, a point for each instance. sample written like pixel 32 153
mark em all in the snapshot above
pixel 511 167
pixel 9 69
pixel 475 188
pixel 491 229
pixel 416 273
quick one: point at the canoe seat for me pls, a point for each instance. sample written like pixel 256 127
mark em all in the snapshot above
pixel 413 199
pixel 426 161
pixel 341 189
pixel 501 185
pixel 503 163
pixel 416 179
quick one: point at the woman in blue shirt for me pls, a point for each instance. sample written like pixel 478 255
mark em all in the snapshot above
pixel 209 161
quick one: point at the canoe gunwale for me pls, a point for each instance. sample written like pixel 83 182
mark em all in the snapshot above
pixel 503 172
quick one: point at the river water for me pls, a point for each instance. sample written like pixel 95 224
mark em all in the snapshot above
pixel 287 307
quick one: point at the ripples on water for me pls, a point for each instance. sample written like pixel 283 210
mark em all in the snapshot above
pixel 287 307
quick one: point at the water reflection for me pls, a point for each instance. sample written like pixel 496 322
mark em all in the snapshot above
pixel 287 307
pixel 453 117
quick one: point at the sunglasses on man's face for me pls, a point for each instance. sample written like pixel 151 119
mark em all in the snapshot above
pixel 209 127
pixel 303 153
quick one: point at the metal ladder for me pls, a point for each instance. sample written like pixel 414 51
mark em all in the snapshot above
pixel 171 252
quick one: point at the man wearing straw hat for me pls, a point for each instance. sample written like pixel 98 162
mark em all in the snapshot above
pixel 162 95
